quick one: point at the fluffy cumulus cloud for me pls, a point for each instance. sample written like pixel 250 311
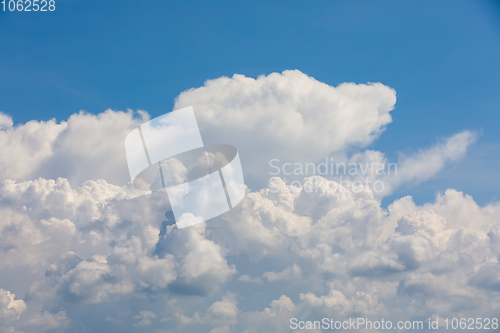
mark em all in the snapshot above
pixel 82 250
pixel 85 147
pixel 288 116
pixel 10 308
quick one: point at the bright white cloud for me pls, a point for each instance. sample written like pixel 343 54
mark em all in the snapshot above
pixel 286 116
pixel 101 246
pixel 5 121
pixel 289 116
pixel 427 163
pixel 225 309
pixel 10 308
pixel 85 147
pixel 336 240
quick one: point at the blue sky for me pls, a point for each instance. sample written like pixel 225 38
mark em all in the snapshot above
pixel 441 57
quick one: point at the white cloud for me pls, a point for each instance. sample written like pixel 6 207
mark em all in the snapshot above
pixel 289 116
pixel 46 320
pixel 10 308
pixel 427 163
pixel 225 309
pixel 248 278
pixel 221 329
pixel 5 121
pixel 188 320
pixel 333 240
pixel 145 318
pixel 287 274
pixel 103 247
pixel 85 147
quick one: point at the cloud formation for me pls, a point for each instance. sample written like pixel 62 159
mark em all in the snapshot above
pixel 289 115
pixel 88 252
pixel 330 257
pixel 10 308
pixel 85 147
